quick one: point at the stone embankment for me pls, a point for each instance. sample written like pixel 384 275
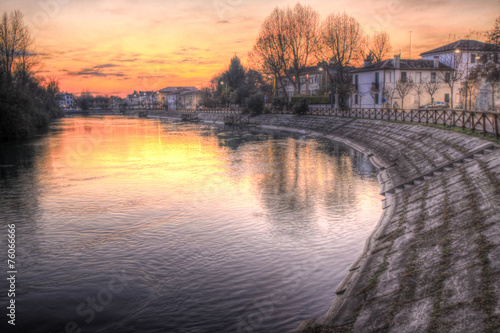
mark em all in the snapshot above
pixel 432 264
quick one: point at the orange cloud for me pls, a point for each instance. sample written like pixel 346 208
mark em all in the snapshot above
pixel 113 46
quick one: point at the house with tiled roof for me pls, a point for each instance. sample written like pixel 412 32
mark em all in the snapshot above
pixel 463 55
pixel 169 96
pixel 374 84
pixel 465 47
pixel 312 79
pixel 133 99
pixel 189 99
pixel 65 100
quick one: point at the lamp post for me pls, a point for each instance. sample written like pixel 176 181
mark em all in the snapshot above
pixel 222 88
pixel 452 81
pixel 466 74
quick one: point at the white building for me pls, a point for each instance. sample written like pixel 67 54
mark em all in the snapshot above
pixel 66 100
pixel 189 99
pixel 133 99
pixel 148 99
pixel 312 79
pixel 374 84
pixel 170 96
pixel 463 55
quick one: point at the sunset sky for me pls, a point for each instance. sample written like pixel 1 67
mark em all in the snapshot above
pixel 117 46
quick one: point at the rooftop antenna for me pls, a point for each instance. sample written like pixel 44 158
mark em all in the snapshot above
pixel 410 43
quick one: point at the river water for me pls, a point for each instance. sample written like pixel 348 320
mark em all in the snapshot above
pixel 141 225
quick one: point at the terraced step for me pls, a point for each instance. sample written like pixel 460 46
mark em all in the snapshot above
pixel 481 151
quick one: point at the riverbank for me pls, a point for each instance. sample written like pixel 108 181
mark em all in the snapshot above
pixel 432 264
pixel 23 111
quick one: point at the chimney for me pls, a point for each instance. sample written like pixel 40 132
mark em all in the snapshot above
pixel 397 61
pixel 367 62
pixel 436 62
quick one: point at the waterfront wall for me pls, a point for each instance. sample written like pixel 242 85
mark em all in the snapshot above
pixel 432 264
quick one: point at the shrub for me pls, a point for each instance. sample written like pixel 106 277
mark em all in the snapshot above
pixel 255 103
pixel 300 106
pixel 279 103
pixel 312 99
pixel 22 112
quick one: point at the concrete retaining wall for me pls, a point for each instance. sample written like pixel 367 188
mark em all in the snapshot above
pixel 432 264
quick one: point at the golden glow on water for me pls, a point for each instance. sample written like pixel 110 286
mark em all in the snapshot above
pixel 192 213
pixel 91 148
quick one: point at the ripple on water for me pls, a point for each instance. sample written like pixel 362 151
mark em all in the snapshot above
pixel 210 229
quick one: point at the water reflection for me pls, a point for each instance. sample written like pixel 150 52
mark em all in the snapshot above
pixel 207 224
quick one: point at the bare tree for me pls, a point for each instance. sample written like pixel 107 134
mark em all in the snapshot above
pixel 452 77
pixel 490 71
pixel 15 42
pixel 379 46
pixel 362 94
pixel 473 85
pixel 302 23
pixel 493 35
pixel 431 87
pixel 341 44
pixel 403 88
pixel 271 47
pixel 287 38
pixel 491 66
pixel 373 92
pixel 420 88
pixel 388 94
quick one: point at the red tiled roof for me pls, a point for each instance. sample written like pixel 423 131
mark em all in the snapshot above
pixel 465 45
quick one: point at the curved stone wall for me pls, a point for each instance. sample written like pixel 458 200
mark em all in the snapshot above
pixel 432 264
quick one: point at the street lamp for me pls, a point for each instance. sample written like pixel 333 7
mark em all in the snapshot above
pixel 222 83
pixel 457 51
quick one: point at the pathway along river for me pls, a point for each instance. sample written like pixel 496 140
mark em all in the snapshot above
pixel 140 225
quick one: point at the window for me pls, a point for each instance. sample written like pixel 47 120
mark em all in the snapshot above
pixel 472 58
pixel 356 99
pixel 356 82
pixel 419 77
pixel 447 98
pixel 376 80
pixel 403 76
pixel 376 99
pixel 433 77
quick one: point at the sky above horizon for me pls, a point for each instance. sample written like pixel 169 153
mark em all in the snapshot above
pixel 117 46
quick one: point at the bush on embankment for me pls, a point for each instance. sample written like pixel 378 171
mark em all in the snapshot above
pixel 27 102
pixel 24 110
pixel 310 99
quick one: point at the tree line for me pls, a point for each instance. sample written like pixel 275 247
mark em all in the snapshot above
pixel 293 38
pixel 27 102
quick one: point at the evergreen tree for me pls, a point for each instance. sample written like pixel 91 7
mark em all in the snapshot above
pixel 234 77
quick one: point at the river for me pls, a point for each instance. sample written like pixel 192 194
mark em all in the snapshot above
pixel 141 225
